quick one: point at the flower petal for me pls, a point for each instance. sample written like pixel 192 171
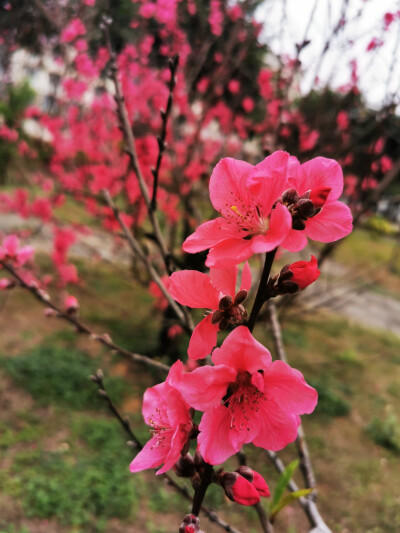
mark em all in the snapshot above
pixel 228 186
pixel 224 279
pixel 229 252
pixel 241 351
pixel 287 387
pixel 151 455
pixel 204 387
pixel 319 172
pixel 245 282
pixel 209 234
pixel 334 222
pixel 279 227
pixel 276 427
pixel 295 241
pixel 178 441
pixel 268 179
pixel 203 339
pixel 214 444
pixel 194 289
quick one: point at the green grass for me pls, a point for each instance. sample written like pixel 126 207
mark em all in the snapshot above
pixel 57 375
pixel 385 432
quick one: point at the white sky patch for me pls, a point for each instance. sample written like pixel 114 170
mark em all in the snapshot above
pixel 285 24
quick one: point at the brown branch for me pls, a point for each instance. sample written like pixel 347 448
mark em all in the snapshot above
pixel 173 65
pixel 124 421
pixel 133 157
pixel 138 252
pixel 105 340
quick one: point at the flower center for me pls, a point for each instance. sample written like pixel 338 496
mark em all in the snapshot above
pixel 243 400
pixel 250 220
pixel 159 428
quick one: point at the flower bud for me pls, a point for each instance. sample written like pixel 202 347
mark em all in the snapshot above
pixel 297 276
pixel 255 479
pixel 239 489
pixel 71 304
pixel 190 524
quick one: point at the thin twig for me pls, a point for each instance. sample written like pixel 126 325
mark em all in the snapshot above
pixel 124 421
pixel 261 292
pixel 302 448
pixel 81 328
pixel 138 251
pixel 133 157
pixel 173 65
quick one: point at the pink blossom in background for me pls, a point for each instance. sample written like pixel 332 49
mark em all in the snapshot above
pixel 216 292
pixel 245 398
pixel 71 303
pixel 166 412
pixel 74 29
pixel 234 86
pixel 342 121
pixel 245 196
pixel 248 104
pixel 216 17
pixel 161 302
pixel 10 250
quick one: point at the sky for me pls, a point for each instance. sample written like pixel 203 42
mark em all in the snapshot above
pixel 379 71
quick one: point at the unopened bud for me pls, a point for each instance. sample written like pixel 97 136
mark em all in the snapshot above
pixel 255 479
pixel 190 524
pixel 297 276
pixel 239 489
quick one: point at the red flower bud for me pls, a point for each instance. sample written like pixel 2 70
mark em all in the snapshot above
pixel 304 272
pixel 319 195
pixel 190 524
pixel 255 479
pixel 239 489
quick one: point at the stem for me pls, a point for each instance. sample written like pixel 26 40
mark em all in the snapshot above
pixel 202 489
pixel 261 291
pixel 173 65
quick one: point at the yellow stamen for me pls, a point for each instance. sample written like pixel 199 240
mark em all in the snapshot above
pixel 236 210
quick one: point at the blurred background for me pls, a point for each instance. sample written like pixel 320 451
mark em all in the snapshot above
pixel 315 78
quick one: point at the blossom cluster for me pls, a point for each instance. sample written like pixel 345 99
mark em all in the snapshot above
pixel 244 396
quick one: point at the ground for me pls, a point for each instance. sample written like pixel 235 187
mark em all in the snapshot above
pixel 64 460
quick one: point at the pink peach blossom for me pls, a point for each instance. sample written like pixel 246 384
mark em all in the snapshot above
pixel 251 221
pixel 166 412
pixel 216 292
pixel 245 398
pixel 319 180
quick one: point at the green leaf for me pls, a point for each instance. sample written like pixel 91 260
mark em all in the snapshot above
pixel 288 499
pixel 283 482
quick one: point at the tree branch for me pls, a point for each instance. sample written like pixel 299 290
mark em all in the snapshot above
pixel 81 328
pixel 138 251
pixel 173 65
pixel 133 157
